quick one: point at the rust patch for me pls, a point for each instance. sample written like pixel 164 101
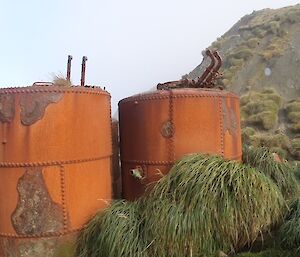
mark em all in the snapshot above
pixel 33 105
pixel 36 213
pixel 167 129
pixel 62 246
pixel 29 247
pixel 230 122
pixel 7 107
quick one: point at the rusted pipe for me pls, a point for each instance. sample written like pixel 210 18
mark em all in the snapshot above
pixel 83 67
pixel 70 57
pixel 202 80
pixel 214 73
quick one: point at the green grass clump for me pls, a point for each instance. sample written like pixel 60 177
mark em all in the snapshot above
pixel 268 253
pixel 282 173
pixel 277 143
pixel 293 16
pixel 253 42
pixel 267 119
pixel 260 108
pixel 247 134
pixel 295 149
pixel 202 206
pixel 241 52
pixel 293 106
pixel 290 230
pixel 293 114
pixel 275 48
pixel 115 232
pixel 269 140
pixel 294 117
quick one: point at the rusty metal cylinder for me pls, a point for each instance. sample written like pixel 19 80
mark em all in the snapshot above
pixel 55 166
pixel 159 127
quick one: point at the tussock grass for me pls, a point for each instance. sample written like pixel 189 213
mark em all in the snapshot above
pixel 260 108
pixel 281 173
pixel 60 80
pixel 203 204
pixel 269 253
pixel 293 114
pixel 114 232
pixel 290 230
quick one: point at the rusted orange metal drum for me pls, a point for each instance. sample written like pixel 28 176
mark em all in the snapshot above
pixel 55 166
pixel 157 128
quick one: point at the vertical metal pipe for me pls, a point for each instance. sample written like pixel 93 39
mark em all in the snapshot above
pixel 70 57
pixel 83 67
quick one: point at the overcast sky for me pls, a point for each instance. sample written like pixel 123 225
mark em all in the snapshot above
pixel 131 44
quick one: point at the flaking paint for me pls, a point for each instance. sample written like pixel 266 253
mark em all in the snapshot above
pixel 33 106
pixel 36 212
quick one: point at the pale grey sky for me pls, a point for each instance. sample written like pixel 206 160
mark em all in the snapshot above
pixel 131 44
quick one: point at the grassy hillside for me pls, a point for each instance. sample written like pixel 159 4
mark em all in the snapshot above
pixel 261 54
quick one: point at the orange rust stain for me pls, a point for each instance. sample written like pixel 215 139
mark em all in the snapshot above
pixel 203 121
pixel 8 197
pixel 53 183
pixel 33 105
pixel 75 128
pixel 35 212
pixel 88 190
pixel 231 127
pixel 65 131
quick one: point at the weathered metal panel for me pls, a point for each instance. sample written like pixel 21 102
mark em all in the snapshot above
pixel 55 165
pixel 158 128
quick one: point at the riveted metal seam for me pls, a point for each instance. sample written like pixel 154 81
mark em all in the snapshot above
pixel 42 235
pixel 160 97
pixel 51 89
pixel 111 139
pixel 171 139
pixel 221 125
pixel 63 198
pixel 147 162
pixel 50 163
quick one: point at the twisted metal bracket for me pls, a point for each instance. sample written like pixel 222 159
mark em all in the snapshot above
pixel 206 80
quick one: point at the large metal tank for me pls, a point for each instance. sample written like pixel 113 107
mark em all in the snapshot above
pixel 159 127
pixel 55 166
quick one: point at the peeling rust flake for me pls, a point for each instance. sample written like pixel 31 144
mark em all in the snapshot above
pixel 63 246
pixel 7 108
pixel 167 129
pixel 36 213
pixel 33 105
pixel 12 247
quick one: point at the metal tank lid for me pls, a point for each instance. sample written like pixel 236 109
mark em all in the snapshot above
pixel 46 87
pixel 204 85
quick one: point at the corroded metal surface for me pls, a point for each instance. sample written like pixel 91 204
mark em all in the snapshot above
pixel 7 108
pixel 70 58
pixel 36 212
pixel 46 192
pixel 230 119
pixel 167 129
pixel 167 124
pixel 33 106
pixel 83 68
pixel 206 80
pixel 44 247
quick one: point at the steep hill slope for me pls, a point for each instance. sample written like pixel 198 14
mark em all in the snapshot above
pixel 262 50
pixel 261 54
